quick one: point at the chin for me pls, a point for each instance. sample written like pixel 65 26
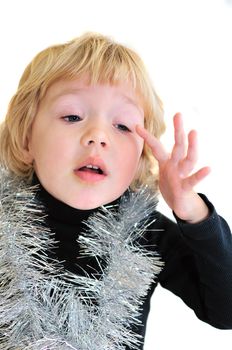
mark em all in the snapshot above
pixel 88 202
pixel 85 205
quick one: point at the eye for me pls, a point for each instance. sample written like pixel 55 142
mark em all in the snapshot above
pixel 72 118
pixel 122 127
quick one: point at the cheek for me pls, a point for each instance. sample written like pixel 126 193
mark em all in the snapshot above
pixel 130 152
pixel 47 149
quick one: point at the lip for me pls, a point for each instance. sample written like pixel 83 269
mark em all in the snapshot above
pixel 96 161
pixel 91 177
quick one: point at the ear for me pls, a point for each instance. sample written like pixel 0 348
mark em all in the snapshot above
pixel 27 151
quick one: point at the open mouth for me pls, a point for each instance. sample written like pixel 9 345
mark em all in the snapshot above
pixel 92 169
pixel 90 173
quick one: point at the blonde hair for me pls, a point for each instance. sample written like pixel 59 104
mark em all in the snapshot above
pixel 105 61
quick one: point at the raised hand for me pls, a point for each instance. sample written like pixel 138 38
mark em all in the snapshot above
pixel 176 172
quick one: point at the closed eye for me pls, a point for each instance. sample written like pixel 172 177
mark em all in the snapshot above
pixel 72 118
pixel 122 127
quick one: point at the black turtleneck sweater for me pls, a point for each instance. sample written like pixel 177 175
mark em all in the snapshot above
pixel 197 257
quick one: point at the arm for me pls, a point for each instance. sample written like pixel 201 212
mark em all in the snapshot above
pixel 198 249
pixel 198 265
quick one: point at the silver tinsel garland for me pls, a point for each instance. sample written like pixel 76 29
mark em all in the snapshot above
pixel 43 308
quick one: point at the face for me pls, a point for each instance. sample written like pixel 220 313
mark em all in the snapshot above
pixel 83 142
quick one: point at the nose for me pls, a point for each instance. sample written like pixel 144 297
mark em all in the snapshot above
pixel 95 136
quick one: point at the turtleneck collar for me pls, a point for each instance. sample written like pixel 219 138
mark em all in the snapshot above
pixel 60 211
pixel 66 223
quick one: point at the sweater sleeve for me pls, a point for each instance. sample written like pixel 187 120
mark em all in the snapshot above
pixel 198 265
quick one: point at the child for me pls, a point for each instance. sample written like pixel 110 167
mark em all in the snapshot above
pixel 82 246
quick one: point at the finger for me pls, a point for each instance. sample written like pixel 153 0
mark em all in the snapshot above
pixel 188 163
pixel 194 179
pixel 192 153
pixel 179 148
pixel 156 146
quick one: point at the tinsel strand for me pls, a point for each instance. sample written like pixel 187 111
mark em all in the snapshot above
pixel 43 308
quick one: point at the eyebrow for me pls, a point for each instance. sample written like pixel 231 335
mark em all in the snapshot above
pixel 131 102
pixel 67 92
pixel 124 97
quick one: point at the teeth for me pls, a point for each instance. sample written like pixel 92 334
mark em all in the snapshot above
pixel 92 166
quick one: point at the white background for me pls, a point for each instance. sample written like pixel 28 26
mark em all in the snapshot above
pixel 186 46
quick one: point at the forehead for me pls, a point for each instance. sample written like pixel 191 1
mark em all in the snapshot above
pixel 122 92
